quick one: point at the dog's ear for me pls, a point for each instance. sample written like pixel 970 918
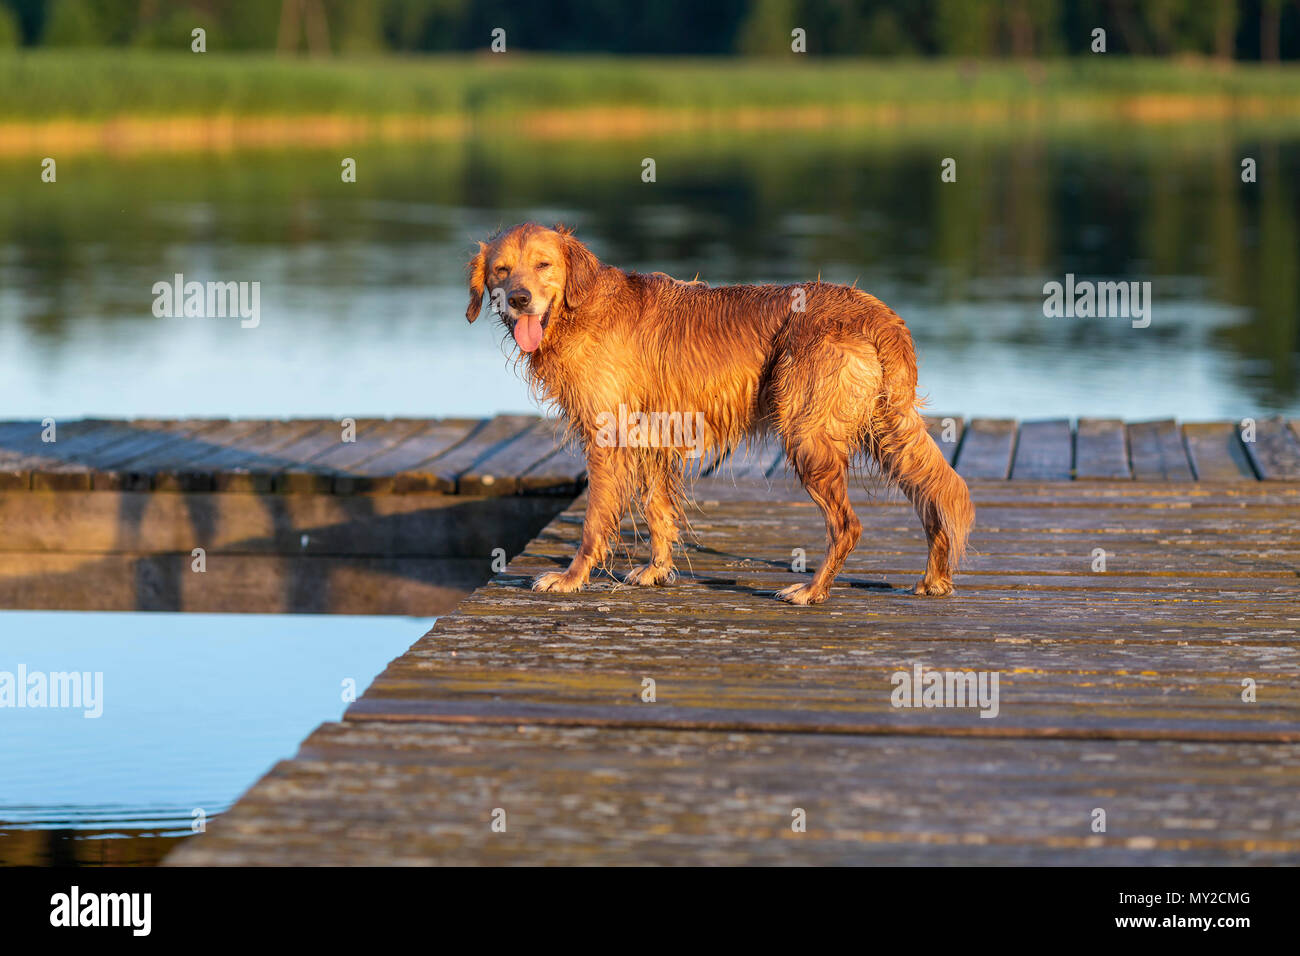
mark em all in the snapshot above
pixel 477 270
pixel 580 267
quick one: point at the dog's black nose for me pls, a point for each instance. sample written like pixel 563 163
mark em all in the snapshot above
pixel 519 299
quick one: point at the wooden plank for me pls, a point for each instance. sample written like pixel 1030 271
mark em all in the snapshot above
pixel 1275 452
pixel 486 441
pixel 128 464
pixel 1158 452
pixel 400 468
pixel 1216 452
pixel 1044 451
pixel 584 796
pixel 946 430
pixel 1101 449
pixel 986 448
pixel 317 473
pixel 177 442
pixel 296 473
pixel 24 453
pixel 190 466
pixel 17 440
pixel 68 470
pixel 500 472
pixel 254 464
pixel 563 472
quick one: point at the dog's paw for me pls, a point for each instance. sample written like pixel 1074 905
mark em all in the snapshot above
pixel 557 582
pixel 647 575
pixel 929 588
pixel 802 594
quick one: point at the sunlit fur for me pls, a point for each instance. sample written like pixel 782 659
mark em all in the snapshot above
pixel 833 381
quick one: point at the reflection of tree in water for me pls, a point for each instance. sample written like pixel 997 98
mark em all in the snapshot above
pixel 1270 340
pixel 852 204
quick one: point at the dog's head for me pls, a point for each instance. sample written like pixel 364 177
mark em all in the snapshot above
pixel 530 274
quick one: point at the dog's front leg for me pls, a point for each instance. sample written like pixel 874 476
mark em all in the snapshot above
pixel 660 505
pixel 609 471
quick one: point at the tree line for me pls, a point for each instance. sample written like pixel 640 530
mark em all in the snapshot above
pixel 1223 29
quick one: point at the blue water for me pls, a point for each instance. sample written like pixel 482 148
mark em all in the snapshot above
pixel 196 707
pixel 363 294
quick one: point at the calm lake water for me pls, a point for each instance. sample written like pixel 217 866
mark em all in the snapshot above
pixel 194 708
pixel 362 296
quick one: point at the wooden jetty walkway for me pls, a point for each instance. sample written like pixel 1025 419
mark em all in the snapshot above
pixel 363 517
pixel 1148 708
pixel 408 516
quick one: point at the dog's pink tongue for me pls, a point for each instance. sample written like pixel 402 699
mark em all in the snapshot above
pixel 528 332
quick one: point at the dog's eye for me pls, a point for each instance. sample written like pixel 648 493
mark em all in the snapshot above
pixel 502 271
pixel 543 265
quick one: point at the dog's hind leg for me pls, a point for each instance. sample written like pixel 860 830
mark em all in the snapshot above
pixel 610 473
pixel 824 470
pixel 661 490
pixel 822 399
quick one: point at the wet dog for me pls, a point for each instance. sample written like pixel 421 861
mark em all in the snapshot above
pixel 828 369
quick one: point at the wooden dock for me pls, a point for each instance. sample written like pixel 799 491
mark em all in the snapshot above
pixel 379 516
pixel 368 517
pixel 1148 709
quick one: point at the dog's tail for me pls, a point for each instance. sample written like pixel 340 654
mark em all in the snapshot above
pixel 905 451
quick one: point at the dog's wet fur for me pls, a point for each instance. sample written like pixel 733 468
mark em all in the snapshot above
pixel 830 370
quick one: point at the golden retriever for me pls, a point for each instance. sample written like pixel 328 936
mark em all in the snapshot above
pixel 828 369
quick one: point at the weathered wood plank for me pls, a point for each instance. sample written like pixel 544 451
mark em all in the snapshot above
pixel 611 796
pixel 312 472
pixel 1044 452
pixel 501 471
pixel 399 469
pixel 986 448
pixel 563 472
pixel 15 471
pixel 1158 452
pixel 946 430
pixel 1101 449
pixel 190 466
pixel 129 465
pixel 485 442
pixel 1216 452
pixel 371 439
pixel 254 464
pixel 1275 452
pixel 66 468
pixel 25 454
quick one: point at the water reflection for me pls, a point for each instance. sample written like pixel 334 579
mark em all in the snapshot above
pixel 195 708
pixel 362 284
